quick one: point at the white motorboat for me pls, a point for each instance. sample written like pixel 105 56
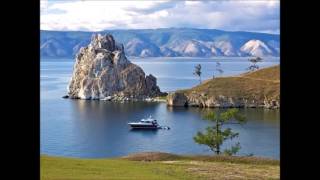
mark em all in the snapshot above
pixel 149 123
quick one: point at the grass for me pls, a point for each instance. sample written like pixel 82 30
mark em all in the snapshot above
pixel 162 97
pixel 270 73
pixel 154 166
pixel 57 168
pixel 254 85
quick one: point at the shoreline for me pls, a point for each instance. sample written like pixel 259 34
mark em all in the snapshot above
pixel 235 91
pixel 159 100
pixel 122 99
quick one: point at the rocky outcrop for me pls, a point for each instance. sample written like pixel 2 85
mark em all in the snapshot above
pixel 202 100
pixel 177 99
pixel 102 71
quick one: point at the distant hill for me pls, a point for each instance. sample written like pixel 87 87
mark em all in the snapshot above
pixel 167 42
pixel 260 88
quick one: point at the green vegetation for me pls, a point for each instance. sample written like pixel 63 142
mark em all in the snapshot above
pixel 215 136
pixel 76 169
pixel 253 85
pixel 163 97
pixel 159 166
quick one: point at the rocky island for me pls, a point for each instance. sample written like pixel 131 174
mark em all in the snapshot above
pixel 102 72
pixel 256 89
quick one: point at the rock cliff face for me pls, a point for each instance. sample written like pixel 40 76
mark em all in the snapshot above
pixel 102 70
pixel 201 100
pixel 177 99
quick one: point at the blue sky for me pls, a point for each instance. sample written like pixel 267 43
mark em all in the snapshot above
pixel 96 15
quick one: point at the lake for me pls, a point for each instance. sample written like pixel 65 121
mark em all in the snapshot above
pixel 97 129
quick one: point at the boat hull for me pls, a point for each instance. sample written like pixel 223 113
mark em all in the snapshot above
pixel 144 126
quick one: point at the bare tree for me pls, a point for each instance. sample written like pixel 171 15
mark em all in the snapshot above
pixel 197 71
pixel 218 69
pixel 254 62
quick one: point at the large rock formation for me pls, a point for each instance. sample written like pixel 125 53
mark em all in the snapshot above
pixel 102 70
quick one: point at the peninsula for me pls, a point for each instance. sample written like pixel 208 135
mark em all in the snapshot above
pixel 260 88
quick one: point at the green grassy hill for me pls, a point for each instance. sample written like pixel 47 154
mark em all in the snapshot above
pixel 151 166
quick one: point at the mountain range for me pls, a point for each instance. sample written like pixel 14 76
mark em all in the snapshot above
pixel 166 42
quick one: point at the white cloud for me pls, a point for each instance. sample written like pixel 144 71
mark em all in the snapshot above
pixel 261 16
pixel 43 5
pixel 190 3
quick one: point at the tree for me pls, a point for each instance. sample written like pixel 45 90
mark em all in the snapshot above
pixel 215 135
pixel 218 69
pixel 197 71
pixel 254 62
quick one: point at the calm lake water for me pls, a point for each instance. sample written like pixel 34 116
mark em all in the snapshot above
pixel 96 129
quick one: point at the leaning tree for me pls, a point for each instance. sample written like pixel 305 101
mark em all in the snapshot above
pixel 218 69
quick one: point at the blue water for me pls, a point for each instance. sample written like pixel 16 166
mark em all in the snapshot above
pixel 95 129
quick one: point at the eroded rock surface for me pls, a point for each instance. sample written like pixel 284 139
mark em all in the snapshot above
pixel 102 71
pixel 202 100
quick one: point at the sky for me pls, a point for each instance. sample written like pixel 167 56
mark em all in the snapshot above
pixel 96 15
